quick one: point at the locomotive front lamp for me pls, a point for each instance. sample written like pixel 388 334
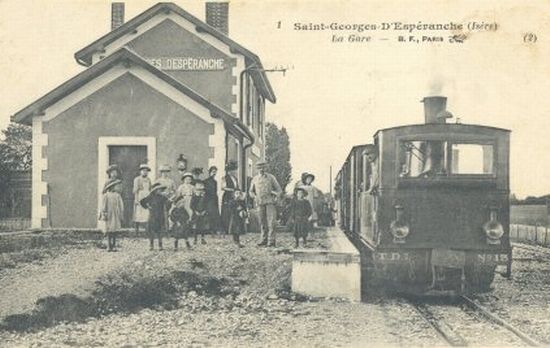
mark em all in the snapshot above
pixel 493 229
pixel 398 227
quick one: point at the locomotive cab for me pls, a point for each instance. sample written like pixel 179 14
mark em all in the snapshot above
pixel 435 211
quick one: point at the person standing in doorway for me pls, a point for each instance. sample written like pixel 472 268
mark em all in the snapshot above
pixel 142 186
pixel 229 184
pixel 265 190
pixel 212 201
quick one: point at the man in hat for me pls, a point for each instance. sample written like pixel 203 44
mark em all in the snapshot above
pixel 229 185
pixel 371 153
pixel 170 190
pixel 157 203
pixel 265 190
pixel 142 186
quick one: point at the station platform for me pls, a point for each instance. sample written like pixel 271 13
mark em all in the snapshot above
pixel 332 272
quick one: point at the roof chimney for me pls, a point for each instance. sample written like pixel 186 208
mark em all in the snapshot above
pixel 435 109
pixel 117 14
pixel 217 16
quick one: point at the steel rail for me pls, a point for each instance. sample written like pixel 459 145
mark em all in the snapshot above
pixel 443 330
pixel 495 319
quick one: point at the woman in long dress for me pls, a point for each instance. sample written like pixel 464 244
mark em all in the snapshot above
pixel 229 184
pixel 212 201
pixel 142 187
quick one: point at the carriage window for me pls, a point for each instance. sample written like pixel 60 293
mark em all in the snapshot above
pixel 435 158
pixel 472 159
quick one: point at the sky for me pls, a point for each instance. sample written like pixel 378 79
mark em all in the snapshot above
pixel 335 94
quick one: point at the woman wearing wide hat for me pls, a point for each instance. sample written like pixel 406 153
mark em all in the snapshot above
pixel 212 201
pixel 229 184
pixel 113 173
pixel 142 186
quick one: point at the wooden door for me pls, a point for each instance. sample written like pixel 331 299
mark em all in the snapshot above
pixel 128 158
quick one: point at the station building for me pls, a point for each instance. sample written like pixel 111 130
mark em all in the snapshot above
pixel 164 83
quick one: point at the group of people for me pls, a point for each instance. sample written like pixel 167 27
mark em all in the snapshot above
pixel 191 209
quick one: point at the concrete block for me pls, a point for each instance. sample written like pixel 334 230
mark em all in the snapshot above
pixel 328 273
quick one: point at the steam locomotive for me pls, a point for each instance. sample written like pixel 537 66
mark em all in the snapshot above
pixel 429 203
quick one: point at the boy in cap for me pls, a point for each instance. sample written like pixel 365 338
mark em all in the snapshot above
pixel 199 205
pixel 157 203
pixel 300 213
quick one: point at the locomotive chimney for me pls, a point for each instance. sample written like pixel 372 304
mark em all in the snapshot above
pixel 435 109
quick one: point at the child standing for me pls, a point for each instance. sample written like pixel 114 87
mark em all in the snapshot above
pixel 239 214
pixel 112 211
pixel 300 213
pixel 181 223
pixel 157 203
pixel 199 205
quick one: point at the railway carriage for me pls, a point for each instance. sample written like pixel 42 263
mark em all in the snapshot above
pixel 429 203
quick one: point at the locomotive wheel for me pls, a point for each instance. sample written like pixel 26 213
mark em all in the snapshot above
pixel 479 278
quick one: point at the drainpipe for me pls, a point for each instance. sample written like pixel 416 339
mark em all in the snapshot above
pixel 241 117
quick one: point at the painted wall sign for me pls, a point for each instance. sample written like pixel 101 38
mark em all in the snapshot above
pixel 187 63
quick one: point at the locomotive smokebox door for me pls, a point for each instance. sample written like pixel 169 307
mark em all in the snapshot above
pixel 448 258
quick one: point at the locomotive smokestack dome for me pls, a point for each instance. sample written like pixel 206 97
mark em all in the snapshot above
pixel 435 109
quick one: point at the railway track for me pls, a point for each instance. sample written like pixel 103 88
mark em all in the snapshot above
pixel 462 322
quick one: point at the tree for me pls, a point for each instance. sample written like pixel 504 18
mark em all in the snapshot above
pixel 16 148
pixel 277 154
pixel 15 155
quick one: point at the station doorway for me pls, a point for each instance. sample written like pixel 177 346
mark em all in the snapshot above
pixel 128 158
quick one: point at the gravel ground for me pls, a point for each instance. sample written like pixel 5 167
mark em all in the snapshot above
pixel 524 300
pixel 221 295
pixel 225 296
